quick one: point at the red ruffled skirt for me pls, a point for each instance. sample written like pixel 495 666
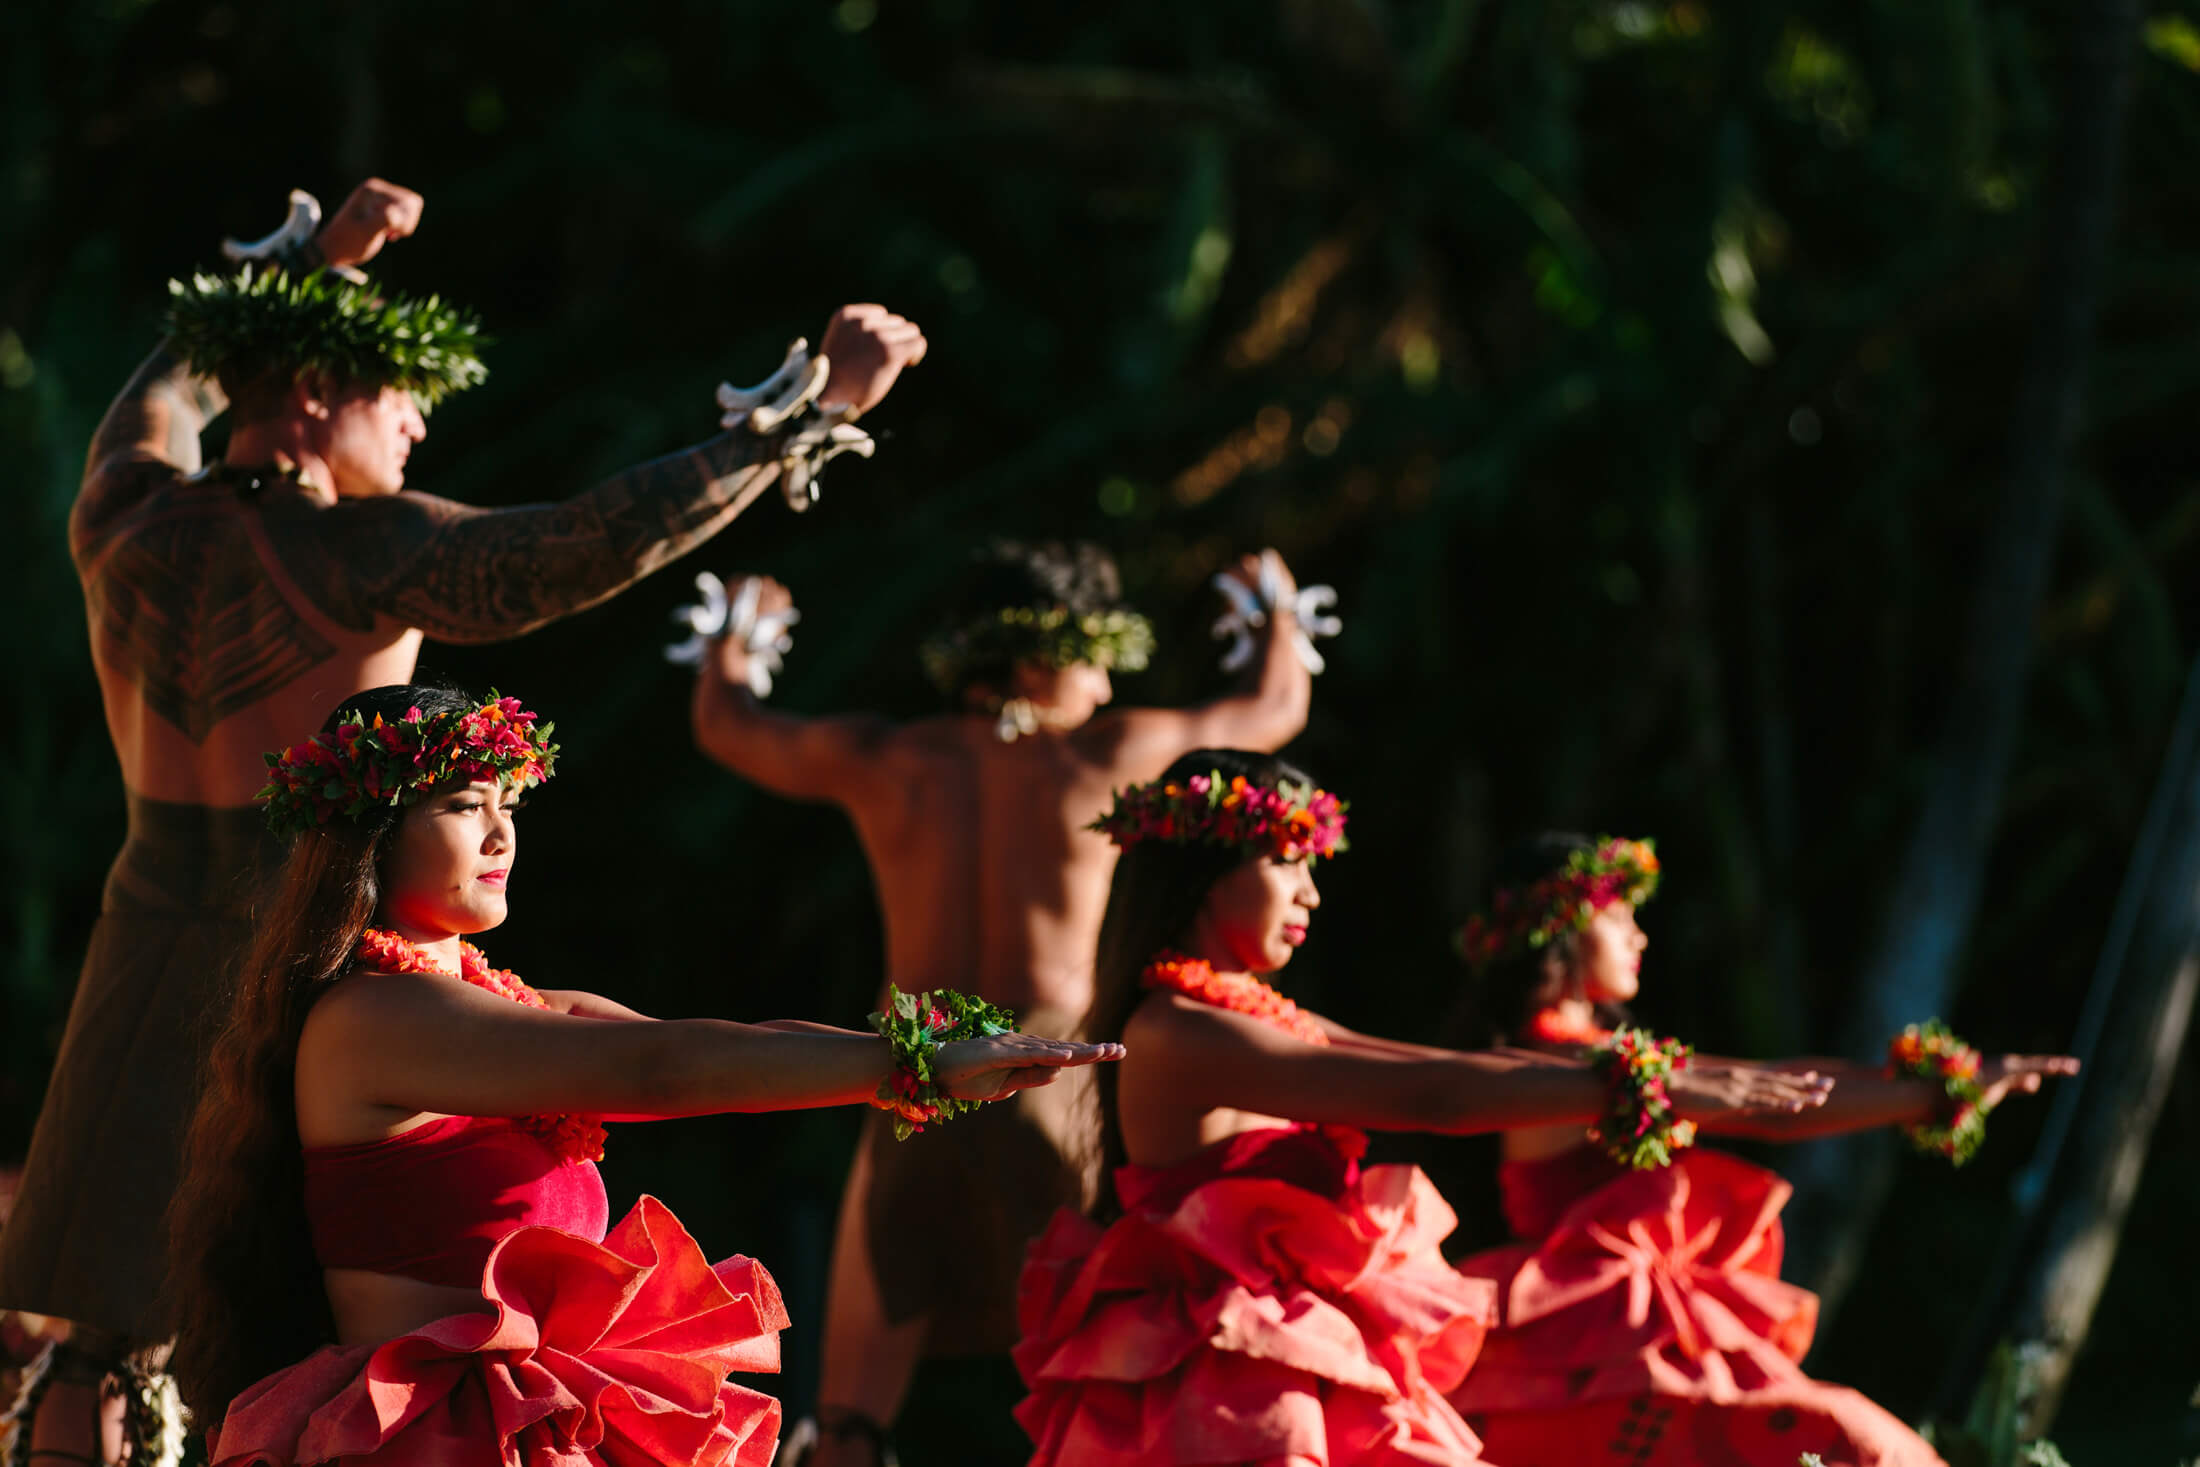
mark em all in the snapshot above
pixel 1650 1327
pixel 614 1352
pixel 1265 1301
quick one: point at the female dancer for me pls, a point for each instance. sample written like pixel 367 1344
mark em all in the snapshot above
pixel 1643 1319
pixel 1248 1293
pixel 391 1219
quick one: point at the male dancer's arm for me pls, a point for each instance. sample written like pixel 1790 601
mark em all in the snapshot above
pixel 151 432
pixel 827 759
pixel 149 435
pixel 1266 711
pixel 461 573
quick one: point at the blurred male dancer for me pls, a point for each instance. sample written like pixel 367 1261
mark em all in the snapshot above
pixel 973 825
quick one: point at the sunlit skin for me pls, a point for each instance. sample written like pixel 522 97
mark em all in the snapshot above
pixel 378 1057
pixel 446 872
pixel 1603 965
pixel 1255 918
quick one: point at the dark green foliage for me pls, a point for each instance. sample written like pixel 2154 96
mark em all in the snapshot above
pixel 1640 373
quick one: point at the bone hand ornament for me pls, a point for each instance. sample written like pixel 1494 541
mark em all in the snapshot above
pixel 734 613
pixel 283 245
pixel 1249 609
pixel 787 399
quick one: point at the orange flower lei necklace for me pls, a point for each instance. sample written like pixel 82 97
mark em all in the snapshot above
pixel 1553 1026
pixel 572 1137
pixel 1241 993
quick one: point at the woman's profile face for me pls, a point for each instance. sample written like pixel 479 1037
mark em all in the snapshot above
pixel 448 863
pixel 1608 956
pixel 1256 917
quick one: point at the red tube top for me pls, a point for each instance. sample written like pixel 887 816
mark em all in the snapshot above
pixel 431 1202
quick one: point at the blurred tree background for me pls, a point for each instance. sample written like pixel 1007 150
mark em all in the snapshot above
pixel 1644 375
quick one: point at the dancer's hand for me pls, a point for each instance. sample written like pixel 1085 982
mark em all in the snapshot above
pixel 727 657
pixel 2020 1074
pixel 868 347
pixel 1711 1092
pixel 376 213
pixel 1247 574
pixel 987 1069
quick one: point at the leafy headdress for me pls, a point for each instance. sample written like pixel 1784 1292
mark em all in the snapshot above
pixel 268 320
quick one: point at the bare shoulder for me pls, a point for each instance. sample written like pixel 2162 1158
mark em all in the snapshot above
pixel 1173 1029
pixel 367 1005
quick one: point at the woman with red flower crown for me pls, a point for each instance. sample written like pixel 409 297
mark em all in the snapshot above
pixel 1245 1291
pixel 391 1243
pixel 1642 1315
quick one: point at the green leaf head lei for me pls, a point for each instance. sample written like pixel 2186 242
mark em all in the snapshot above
pixel 1115 640
pixel 269 321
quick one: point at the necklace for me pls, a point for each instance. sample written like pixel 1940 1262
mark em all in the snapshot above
pixel 1241 993
pixel 572 1137
pixel 1555 1026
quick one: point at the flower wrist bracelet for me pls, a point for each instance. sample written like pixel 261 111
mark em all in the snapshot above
pixel 1638 1128
pixel 1930 1051
pixel 915 1026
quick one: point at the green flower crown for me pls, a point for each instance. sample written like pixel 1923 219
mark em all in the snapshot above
pixel 1115 640
pixel 269 319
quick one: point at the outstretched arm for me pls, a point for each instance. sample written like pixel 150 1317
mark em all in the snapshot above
pixel 1210 1058
pixel 832 759
pixel 1264 712
pixel 423 1044
pixel 1865 1097
pixel 464 574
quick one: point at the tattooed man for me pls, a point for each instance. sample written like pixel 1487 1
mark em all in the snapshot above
pixel 973 825
pixel 229 609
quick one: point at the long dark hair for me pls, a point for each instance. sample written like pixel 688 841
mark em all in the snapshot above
pixel 243 1281
pixel 1501 998
pixel 1152 903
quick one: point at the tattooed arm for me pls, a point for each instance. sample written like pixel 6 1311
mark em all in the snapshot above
pixel 465 574
pixel 155 423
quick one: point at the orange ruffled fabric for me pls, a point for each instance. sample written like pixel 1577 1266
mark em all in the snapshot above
pixel 1649 1325
pixel 1265 1301
pixel 614 1352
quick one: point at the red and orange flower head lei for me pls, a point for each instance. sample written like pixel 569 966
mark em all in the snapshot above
pixel 1528 918
pixel 1294 822
pixel 361 765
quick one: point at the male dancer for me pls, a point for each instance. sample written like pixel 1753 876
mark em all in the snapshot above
pixel 229 609
pixel 973 826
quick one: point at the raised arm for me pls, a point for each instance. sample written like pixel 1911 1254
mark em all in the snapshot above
pixel 1264 712
pixel 430 1045
pixel 164 409
pixel 828 759
pixel 464 574
pixel 1212 1058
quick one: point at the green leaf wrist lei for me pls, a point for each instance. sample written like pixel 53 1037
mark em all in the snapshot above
pixel 914 1026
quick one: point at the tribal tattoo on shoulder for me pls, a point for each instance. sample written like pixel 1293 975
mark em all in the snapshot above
pixel 183 604
pixel 461 573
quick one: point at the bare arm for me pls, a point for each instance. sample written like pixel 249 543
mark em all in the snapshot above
pixel 831 759
pixel 155 422
pixel 164 409
pixel 1865 1097
pixel 1212 1058
pixel 431 1045
pixel 465 574
pixel 586 1005
pixel 1266 711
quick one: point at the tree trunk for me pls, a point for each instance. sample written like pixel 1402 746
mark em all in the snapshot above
pixel 1841 1184
pixel 2073 1200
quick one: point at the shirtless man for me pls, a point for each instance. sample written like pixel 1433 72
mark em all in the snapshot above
pixel 972 822
pixel 228 610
